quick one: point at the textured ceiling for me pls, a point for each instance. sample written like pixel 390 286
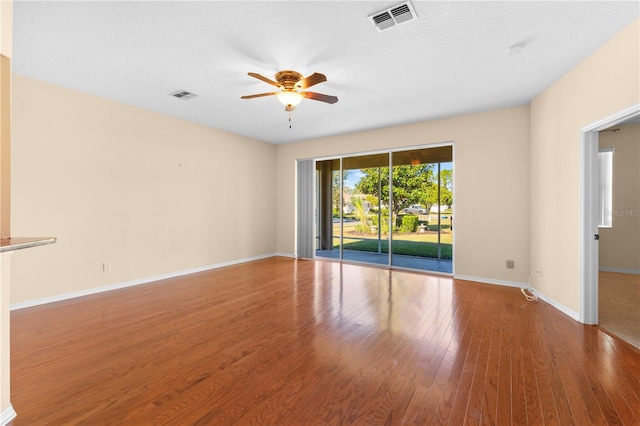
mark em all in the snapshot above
pixel 452 60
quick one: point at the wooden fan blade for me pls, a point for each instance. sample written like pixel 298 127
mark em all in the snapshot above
pixel 312 80
pixel 320 97
pixel 259 95
pixel 265 79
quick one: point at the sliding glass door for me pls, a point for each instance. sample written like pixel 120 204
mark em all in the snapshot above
pixel 392 208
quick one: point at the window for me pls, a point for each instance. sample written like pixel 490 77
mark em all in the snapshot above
pixel 605 187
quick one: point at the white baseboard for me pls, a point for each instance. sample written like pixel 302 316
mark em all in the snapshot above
pixel 7 415
pixel 490 281
pixel 559 306
pixel 95 290
pixel 621 270
pixel 286 254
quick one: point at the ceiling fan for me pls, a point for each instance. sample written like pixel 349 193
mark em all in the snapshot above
pixel 291 85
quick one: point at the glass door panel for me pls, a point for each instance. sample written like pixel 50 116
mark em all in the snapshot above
pixel 421 209
pixel 365 194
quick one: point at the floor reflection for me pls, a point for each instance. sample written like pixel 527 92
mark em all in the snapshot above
pixel 380 299
pixel 401 261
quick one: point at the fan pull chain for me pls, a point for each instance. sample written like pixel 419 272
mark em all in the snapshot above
pixel 289 119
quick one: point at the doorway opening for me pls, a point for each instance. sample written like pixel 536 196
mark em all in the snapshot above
pixel 391 208
pixel 589 215
pixel 619 243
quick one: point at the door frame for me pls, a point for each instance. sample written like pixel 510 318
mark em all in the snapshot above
pixel 589 211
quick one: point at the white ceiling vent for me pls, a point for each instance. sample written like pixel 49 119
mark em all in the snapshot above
pixel 398 14
pixel 183 94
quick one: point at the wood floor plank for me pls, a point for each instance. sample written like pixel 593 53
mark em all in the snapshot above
pixel 541 360
pixel 434 362
pixel 624 378
pixel 437 402
pixel 623 356
pixel 490 393
pixel 611 386
pixel 599 367
pixel 565 368
pixel 504 398
pixel 534 414
pixel 463 392
pixel 451 376
pixel 473 414
pixel 295 342
pixel 518 388
pixel 558 355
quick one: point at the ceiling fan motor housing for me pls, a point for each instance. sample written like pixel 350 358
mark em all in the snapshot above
pixel 288 79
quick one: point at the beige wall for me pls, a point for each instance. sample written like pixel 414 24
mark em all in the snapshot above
pixel 619 246
pixel 147 193
pixel 491 168
pixel 5 147
pixel 6 27
pixel 603 84
pixel 6 32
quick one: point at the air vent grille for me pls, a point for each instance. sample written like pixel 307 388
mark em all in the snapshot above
pixel 383 21
pixel 183 94
pixel 398 14
pixel 402 14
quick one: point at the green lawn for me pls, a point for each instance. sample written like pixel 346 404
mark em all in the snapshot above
pixel 410 243
pixel 405 247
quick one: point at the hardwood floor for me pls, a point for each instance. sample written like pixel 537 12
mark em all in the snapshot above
pixel 286 342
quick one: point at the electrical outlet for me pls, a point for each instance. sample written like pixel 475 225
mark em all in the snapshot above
pixel 510 264
pixel 106 267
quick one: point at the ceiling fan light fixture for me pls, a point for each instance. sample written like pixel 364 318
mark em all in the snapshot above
pixel 289 98
pixel 292 85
